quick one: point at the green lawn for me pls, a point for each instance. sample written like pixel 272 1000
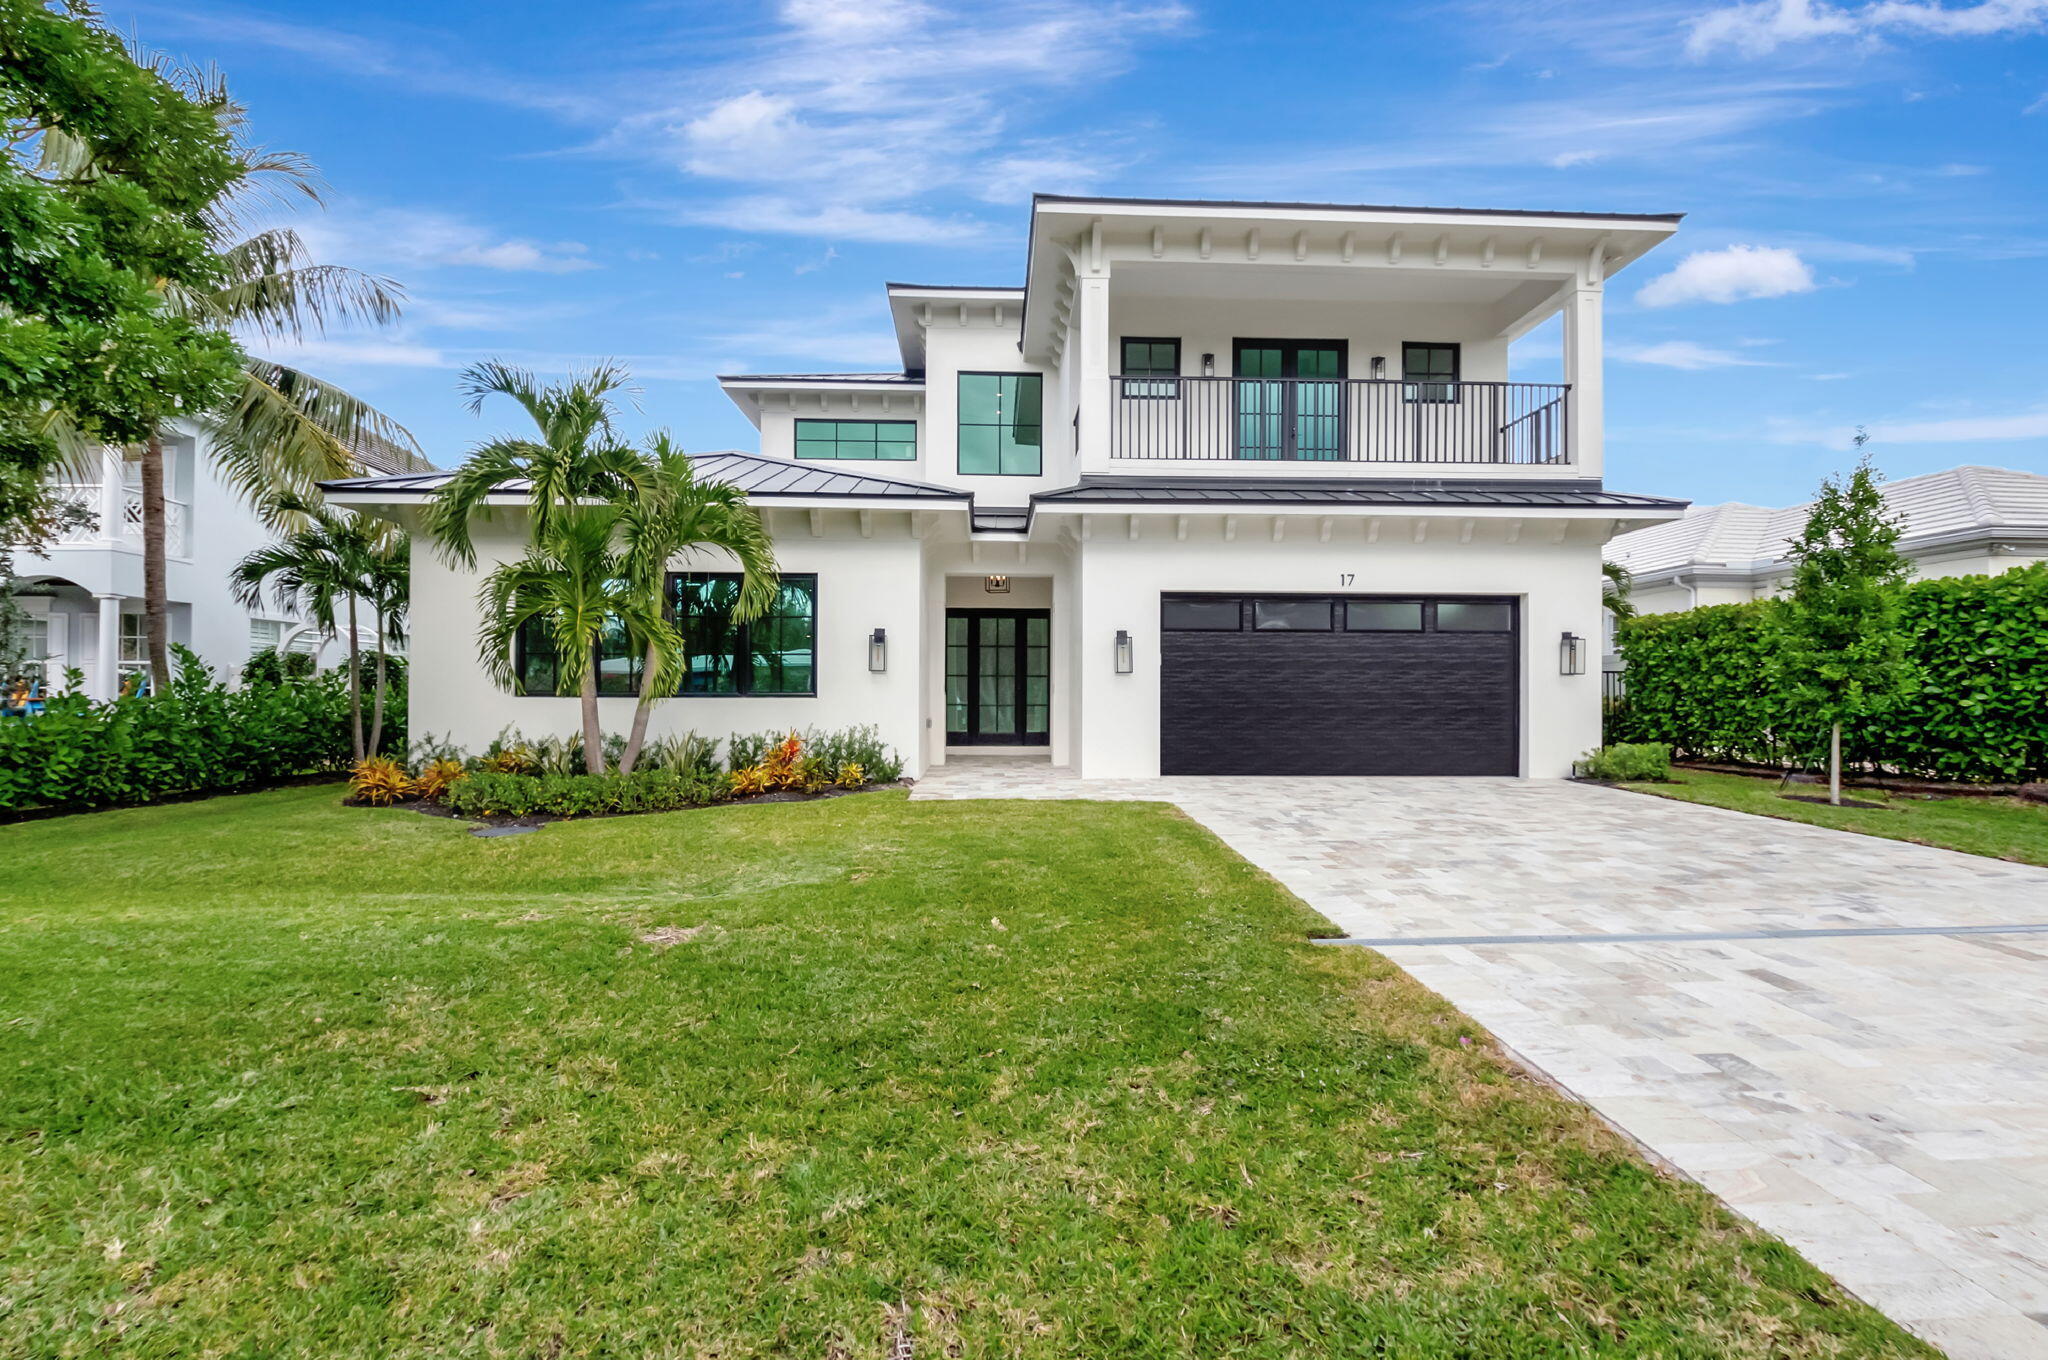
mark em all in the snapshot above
pixel 2004 828
pixel 1011 1079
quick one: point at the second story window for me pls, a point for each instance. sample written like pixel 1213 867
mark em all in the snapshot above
pixel 1158 359
pixel 892 440
pixel 1001 424
pixel 1430 372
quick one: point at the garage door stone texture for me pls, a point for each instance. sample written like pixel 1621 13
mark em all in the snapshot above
pixel 1845 1038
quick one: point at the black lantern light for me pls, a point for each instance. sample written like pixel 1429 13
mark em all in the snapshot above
pixel 1571 654
pixel 1126 659
pixel 878 650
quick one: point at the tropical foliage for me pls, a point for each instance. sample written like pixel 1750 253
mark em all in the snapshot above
pixel 196 736
pixel 329 568
pixel 91 352
pixel 1715 684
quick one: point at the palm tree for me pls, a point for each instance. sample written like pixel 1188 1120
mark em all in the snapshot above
pixel 325 568
pixel 577 458
pixel 574 582
pixel 1615 590
pixel 284 430
pixel 671 514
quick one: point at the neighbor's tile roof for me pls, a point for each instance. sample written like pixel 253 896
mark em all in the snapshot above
pixel 1938 507
pixel 750 472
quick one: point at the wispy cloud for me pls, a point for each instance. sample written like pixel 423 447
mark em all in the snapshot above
pixel 1759 29
pixel 415 237
pixel 1684 354
pixel 1736 274
pixel 1966 429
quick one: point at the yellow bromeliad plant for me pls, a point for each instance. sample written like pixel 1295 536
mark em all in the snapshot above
pixel 379 781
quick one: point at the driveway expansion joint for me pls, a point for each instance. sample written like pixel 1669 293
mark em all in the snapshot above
pixel 1678 936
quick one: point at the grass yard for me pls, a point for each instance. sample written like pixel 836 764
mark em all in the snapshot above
pixel 2003 828
pixel 1005 1079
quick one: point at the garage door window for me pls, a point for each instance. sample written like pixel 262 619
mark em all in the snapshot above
pixel 1471 616
pixel 1293 616
pixel 1383 616
pixel 1201 616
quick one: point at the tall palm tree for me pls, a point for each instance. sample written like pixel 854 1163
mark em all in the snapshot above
pixel 575 583
pixel 326 568
pixel 577 458
pixel 1615 590
pixel 673 515
pixel 284 429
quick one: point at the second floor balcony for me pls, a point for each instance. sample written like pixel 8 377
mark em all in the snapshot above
pixel 114 518
pixel 1339 420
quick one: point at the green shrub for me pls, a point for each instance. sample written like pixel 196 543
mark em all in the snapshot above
pixel 272 667
pixel 1708 682
pixel 862 746
pixel 1627 762
pixel 486 793
pixel 684 753
pixel 197 736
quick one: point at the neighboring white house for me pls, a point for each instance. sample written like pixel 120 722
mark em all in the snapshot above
pixel 1222 488
pixel 84 596
pixel 1967 521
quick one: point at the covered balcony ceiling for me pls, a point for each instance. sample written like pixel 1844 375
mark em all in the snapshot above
pixel 1514 299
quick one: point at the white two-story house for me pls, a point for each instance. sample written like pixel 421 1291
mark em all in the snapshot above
pixel 84 596
pixel 1221 488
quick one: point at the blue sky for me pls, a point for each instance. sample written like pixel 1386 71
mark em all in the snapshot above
pixel 696 188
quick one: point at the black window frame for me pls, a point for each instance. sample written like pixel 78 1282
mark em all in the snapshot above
pixel 1450 389
pixel 1261 602
pixel 523 654
pixel 960 423
pixel 1491 601
pixel 742 634
pixel 1168 600
pixel 797 439
pixel 1148 383
pixel 1422 608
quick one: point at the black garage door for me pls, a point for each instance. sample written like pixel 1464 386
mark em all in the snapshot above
pixel 1337 684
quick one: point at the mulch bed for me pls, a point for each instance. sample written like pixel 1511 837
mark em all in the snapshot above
pixel 501 824
pixel 1887 783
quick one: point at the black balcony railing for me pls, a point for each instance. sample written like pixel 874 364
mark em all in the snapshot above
pixel 1342 421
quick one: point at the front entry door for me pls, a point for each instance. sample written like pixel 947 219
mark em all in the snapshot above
pixel 1290 399
pixel 998 677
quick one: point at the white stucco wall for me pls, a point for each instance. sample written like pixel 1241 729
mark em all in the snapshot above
pixel 863 584
pixel 1121 580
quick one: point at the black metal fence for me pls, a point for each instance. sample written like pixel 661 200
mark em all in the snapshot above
pixel 1340 421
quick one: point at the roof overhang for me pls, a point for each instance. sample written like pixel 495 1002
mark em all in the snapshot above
pixel 751 392
pixel 1532 255
pixel 912 306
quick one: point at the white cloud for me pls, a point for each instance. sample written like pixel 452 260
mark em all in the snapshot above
pixel 847 112
pixel 1683 354
pixel 1731 275
pixel 422 238
pixel 1945 430
pixel 1761 28
pixel 349 352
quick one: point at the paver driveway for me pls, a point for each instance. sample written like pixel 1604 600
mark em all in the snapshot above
pixel 1872 1088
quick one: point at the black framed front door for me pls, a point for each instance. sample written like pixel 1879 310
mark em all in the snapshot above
pixel 1289 399
pixel 998 677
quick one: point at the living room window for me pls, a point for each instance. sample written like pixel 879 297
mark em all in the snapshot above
pixel 885 440
pixel 1001 424
pixel 776 653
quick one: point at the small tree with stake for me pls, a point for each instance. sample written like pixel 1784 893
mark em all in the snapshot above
pixel 1845 649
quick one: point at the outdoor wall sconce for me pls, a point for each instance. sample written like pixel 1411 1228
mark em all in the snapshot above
pixel 1208 365
pixel 995 585
pixel 878 650
pixel 1126 660
pixel 1379 367
pixel 1571 654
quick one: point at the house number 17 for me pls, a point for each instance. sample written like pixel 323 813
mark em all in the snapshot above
pixel 1345 578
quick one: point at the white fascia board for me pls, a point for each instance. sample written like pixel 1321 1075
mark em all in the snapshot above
pixel 1364 216
pixel 1308 509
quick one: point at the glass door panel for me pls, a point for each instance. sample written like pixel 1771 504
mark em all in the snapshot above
pixel 1318 405
pixel 1290 400
pixel 998 677
pixel 1261 406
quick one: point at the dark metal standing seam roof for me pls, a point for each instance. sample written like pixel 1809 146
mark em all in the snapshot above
pixel 750 472
pixel 1233 491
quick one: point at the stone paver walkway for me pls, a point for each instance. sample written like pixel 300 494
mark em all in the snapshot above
pixel 1872 1088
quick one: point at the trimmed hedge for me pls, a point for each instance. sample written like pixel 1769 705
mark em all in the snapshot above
pixel 197 737
pixel 488 794
pixel 1709 683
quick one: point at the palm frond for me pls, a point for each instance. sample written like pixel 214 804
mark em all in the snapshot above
pixel 287 430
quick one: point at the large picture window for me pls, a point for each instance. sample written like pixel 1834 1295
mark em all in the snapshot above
pixel 776 653
pixel 540 665
pixel 889 440
pixel 1001 424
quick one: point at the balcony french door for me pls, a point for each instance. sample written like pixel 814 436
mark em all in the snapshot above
pixel 1290 399
pixel 998 677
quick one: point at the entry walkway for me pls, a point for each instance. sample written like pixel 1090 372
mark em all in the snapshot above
pixel 1845 1038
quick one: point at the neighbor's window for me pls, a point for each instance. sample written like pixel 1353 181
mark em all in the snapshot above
pixel 893 440
pixel 776 653
pixel 1430 372
pixel 265 635
pixel 1474 616
pixel 134 640
pixel 1158 359
pixel 1001 424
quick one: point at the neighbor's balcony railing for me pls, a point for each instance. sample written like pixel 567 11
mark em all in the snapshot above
pixel 128 532
pixel 1339 421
